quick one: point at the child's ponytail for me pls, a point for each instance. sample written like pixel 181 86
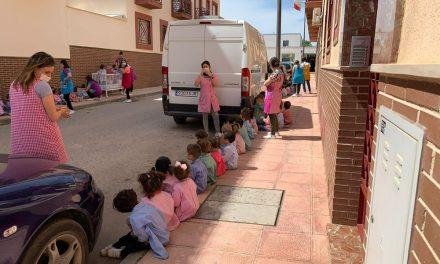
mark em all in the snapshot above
pixel 181 170
pixel 151 182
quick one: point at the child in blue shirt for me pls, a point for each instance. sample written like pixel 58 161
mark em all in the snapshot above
pixel 229 151
pixel 199 172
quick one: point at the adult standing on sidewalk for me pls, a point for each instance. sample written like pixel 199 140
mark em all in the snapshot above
pixel 127 79
pixel 34 129
pixel 306 69
pixel 66 83
pixel 208 101
pixel 298 78
pixel 273 96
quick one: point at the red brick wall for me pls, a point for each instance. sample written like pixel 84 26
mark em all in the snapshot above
pixel 343 97
pixel 419 102
pixel 83 61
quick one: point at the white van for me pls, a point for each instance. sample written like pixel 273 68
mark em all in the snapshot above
pixel 237 54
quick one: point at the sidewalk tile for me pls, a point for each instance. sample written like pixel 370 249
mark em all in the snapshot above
pixel 295 189
pixel 320 206
pixel 320 249
pixel 300 178
pixel 236 240
pixel 320 222
pixel 178 255
pixel 213 256
pixel 285 246
pixel 276 261
pixel 297 204
pixel 292 222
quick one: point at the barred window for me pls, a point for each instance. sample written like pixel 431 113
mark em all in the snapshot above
pixel 144 34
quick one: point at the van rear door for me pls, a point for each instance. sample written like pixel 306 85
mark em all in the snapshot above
pixel 224 49
pixel 186 50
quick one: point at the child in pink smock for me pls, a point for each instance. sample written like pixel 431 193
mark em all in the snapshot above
pixel 163 165
pixel 152 186
pixel 184 194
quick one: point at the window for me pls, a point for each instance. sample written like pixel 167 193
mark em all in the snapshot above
pixel 144 36
pixel 215 9
pixel 163 31
pixel 285 43
pixel 337 10
pixel 328 30
pixel 208 7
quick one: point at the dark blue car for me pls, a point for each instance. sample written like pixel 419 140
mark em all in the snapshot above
pixel 48 213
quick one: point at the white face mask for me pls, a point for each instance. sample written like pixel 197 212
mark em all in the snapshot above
pixel 123 64
pixel 44 78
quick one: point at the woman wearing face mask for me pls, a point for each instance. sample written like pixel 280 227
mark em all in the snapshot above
pixel 127 79
pixel 208 102
pixel 66 83
pixel 34 129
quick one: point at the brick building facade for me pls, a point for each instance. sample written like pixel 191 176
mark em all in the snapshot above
pixel 402 73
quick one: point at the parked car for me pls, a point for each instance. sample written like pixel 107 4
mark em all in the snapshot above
pixel 237 53
pixel 47 214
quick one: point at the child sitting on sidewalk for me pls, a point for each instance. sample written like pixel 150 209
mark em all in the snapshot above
pixel 244 134
pixel 239 141
pixel 199 172
pixel 246 117
pixel 163 165
pixel 207 159
pixel 287 113
pixel 280 117
pixel 229 151
pixel 184 195
pixel 151 183
pixel 148 229
pixel 201 134
pixel 216 154
pixel 259 112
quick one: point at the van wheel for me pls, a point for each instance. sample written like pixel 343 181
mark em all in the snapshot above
pixel 179 119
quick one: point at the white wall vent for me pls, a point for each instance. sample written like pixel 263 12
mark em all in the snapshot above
pixel 360 51
pixel 317 16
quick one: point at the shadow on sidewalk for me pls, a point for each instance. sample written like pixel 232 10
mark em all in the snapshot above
pixel 302 118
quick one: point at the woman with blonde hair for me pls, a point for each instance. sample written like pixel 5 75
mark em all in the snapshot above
pixel 34 129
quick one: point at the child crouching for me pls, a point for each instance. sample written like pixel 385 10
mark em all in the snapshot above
pixel 148 228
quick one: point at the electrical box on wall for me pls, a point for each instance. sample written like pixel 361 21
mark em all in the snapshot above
pixel 394 188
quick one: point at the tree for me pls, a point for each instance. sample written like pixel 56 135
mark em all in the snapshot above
pixel 306 43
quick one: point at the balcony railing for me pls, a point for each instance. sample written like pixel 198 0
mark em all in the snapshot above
pixel 150 4
pixel 199 12
pixel 181 9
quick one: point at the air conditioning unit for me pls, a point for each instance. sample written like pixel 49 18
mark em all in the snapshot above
pixel 317 16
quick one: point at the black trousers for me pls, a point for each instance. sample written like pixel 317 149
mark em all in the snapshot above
pixel 131 245
pixel 273 123
pixel 67 99
pixel 297 88
pixel 128 91
pixel 308 86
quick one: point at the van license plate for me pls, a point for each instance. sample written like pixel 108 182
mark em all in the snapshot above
pixel 186 93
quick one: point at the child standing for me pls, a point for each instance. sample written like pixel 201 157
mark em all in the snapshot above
pixel 229 151
pixel 148 228
pixel 199 172
pixel 216 154
pixel 184 195
pixel 163 165
pixel 288 117
pixel 298 78
pixel 152 186
pixel 127 79
pixel 207 159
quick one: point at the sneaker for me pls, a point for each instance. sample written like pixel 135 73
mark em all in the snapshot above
pixel 115 252
pixel 71 112
pixel 294 95
pixel 269 136
pixel 278 135
pixel 128 101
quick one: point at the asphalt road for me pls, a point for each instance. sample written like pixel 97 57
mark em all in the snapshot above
pixel 115 142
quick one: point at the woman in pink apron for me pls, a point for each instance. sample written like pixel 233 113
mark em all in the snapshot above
pixel 273 96
pixel 208 102
pixel 34 129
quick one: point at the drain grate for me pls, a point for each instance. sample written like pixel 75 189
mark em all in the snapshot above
pixel 242 205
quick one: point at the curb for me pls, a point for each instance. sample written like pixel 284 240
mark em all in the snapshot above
pixel 7 120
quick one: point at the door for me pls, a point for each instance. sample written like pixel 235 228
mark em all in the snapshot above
pixel 395 178
pixel 185 54
pixel 224 49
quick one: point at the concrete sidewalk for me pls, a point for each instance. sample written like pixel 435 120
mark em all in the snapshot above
pixel 294 164
pixel 115 96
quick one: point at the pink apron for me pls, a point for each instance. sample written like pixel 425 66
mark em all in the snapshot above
pixel 208 98
pixel 32 132
pixel 273 97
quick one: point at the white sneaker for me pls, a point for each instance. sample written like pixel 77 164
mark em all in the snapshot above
pixel 128 101
pixel 269 136
pixel 71 112
pixel 294 95
pixel 115 252
pixel 278 135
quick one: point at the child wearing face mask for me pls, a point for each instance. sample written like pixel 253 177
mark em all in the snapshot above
pixel 127 79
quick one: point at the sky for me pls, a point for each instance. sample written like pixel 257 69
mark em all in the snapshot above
pixel 262 14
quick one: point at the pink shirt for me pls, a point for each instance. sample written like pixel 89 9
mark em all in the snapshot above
pixel 221 166
pixel 208 99
pixel 168 184
pixel 185 199
pixel 165 204
pixel 239 144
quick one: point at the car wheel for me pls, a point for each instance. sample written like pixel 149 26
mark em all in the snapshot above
pixel 179 119
pixel 63 241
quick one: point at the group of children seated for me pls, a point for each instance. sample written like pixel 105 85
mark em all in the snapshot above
pixel 285 117
pixel 170 191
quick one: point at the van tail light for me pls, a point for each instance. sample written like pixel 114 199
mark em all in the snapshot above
pixel 245 82
pixel 165 87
